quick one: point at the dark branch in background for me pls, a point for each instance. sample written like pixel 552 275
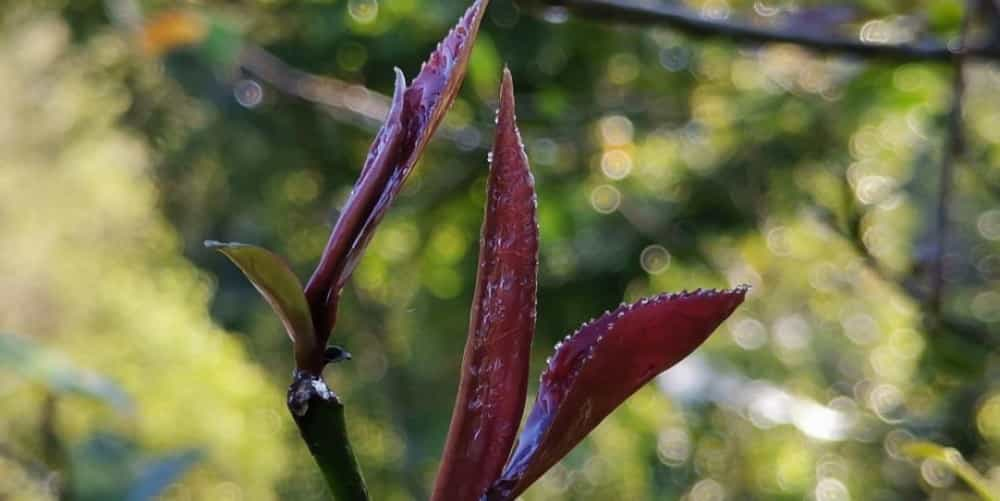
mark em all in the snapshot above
pixel 346 102
pixel 954 149
pixel 990 10
pixel 967 331
pixel 363 107
pixel 54 451
pixel 686 21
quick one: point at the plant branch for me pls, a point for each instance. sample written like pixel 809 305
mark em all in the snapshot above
pixel 54 451
pixel 954 149
pixel 684 20
pixel 346 102
pixel 363 107
pixel 965 330
pixel 319 414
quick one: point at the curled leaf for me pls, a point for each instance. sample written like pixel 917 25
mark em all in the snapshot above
pixel 283 291
pixel 593 371
pixel 494 375
pixel 415 114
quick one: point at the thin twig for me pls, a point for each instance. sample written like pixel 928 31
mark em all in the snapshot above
pixel 347 102
pixel 689 22
pixel 849 233
pixel 963 329
pixel 344 101
pixel 367 108
pixel 954 149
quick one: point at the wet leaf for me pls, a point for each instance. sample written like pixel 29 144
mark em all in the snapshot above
pixel 494 374
pixel 415 114
pixel 283 291
pixel 593 371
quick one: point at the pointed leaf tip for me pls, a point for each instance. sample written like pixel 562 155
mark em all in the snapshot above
pixel 416 112
pixel 283 291
pixel 597 368
pixel 494 373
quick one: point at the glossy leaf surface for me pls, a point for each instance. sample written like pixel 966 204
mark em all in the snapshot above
pixel 283 291
pixel 494 375
pixel 416 112
pixel 593 371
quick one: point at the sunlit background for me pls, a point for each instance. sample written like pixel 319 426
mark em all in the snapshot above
pixel 134 362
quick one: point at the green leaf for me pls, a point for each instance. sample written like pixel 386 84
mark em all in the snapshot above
pixel 109 466
pixel 283 291
pixel 161 472
pixel 41 365
pixel 954 461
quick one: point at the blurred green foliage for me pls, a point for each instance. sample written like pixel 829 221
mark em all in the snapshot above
pixel 661 162
pixel 91 267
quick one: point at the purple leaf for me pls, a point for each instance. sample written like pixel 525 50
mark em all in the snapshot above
pixel 416 112
pixel 593 371
pixel 494 374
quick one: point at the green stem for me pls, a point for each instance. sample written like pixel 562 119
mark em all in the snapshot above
pixel 954 461
pixel 319 414
pixel 975 480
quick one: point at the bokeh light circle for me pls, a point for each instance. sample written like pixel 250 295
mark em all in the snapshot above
pixel 605 199
pixel 655 259
pixel 831 489
pixel 989 224
pixel 363 11
pixel 248 93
